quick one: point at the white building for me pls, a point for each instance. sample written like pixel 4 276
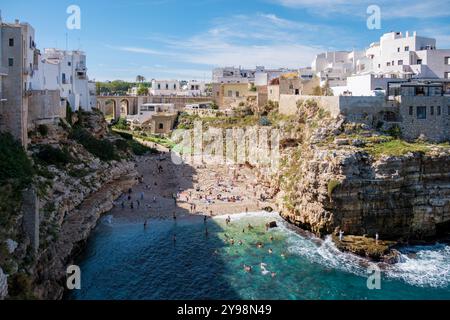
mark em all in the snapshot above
pixel 165 87
pixel 148 110
pixel 334 67
pixel 264 76
pixel 409 56
pixel 195 88
pixel 395 56
pixel 305 73
pixel 230 75
pixel 71 77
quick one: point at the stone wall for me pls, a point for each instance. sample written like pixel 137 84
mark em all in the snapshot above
pixel 435 127
pixel 44 107
pixel 370 110
pixel 30 208
pixel 13 111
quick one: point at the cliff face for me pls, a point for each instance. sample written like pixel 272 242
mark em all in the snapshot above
pixel 346 176
pixel 404 197
pixel 75 187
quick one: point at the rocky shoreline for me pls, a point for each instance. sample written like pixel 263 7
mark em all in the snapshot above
pixel 75 230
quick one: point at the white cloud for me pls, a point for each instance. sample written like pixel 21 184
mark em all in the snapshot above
pixel 245 40
pixel 390 9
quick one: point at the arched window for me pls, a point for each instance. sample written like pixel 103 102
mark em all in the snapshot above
pixel 161 126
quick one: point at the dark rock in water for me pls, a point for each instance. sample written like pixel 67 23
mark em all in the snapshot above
pixel 268 209
pixel 380 251
pixel 392 257
pixel 271 225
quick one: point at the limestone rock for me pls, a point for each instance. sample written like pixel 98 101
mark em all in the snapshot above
pixel 11 245
pixel 3 285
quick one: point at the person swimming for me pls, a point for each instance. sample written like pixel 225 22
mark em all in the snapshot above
pixel 232 241
pixel 145 224
pixel 260 245
pixel 283 255
pixel 274 274
pixel 247 268
pixel 270 251
pixel 271 238
pixel 240 242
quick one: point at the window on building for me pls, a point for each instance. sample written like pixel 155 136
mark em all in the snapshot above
pixel 69 63
pixel 432 110
pixel 11 62
pixel 447 75
pixel 421 113
pixel 167 86
pixel 174 87
pixel 439 110
pixel 379 66
pixel 230 93
pixel 400 62
pixel 388 64
pixel 64 78
pixel 447 60
pixel 11 42
pixel 161 126
pixel 393 63
pixel 398 49
pixel 406 48
pixel 159 86
pixel 411 110
pixel 420 91
pixel 419 61
pixel 237 94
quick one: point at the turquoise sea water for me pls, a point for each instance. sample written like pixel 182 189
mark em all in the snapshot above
pixel 124 261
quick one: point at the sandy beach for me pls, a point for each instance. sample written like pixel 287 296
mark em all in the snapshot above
pixel 166 189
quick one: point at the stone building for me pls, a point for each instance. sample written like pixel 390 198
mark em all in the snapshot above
pixel 35 87
pixel 233 95
pixel 19 61
pixel 420 109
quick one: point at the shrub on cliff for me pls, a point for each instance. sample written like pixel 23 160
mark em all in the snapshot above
pixel 43 130
pixel 15 166
pixel 122 124
pixel 49 155
pixel 102 149
pixel 332 185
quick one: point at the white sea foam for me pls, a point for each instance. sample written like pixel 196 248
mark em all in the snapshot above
pixel 423 266
pixel 245 215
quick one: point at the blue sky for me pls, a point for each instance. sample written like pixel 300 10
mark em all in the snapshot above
pixel 173 39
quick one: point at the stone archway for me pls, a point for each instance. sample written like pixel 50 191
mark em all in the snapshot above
pixel 124 107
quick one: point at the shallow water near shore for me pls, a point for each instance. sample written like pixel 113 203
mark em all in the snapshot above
pixel 125 261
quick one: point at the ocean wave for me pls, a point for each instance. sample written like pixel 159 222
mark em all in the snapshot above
pixel 420 266
pixel 249 215
pixel 423 266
